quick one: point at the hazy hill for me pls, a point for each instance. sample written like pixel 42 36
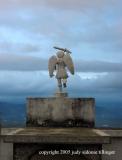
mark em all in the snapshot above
pixel 12 114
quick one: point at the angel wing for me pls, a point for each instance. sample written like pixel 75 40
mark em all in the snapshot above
pixel 68 61
pixel 52 65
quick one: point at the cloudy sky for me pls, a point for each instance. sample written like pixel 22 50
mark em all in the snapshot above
pixel 91 29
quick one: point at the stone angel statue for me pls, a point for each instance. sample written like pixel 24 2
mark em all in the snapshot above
pixel 60 63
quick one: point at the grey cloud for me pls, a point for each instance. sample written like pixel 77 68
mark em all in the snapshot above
pixel 39 84
pixel 74 4
pixel 98 32
pixel 19 47
pixel 69 28
pixel 111 81
pixel 81 4
pixel 30 48
pixel 98 66
pixel 21 63
pixel 28 63
pixel 25 83
pixel 103 36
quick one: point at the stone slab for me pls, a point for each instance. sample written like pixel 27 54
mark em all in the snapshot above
pixel 6 150
pixel 60 112
pixel 61 94
pixel 26 142
pixel 56 135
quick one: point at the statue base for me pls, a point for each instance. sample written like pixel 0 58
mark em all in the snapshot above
pixel 61 94
pixel 60 111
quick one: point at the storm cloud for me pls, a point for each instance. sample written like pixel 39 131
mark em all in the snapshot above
pixel 25 84
pixel 13 62
pixel 74 4
pixel 29 29
pixel 27 26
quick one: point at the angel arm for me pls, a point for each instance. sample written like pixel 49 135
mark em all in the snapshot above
pixel 52 65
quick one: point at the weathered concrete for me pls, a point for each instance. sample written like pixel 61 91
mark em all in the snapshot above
pixel 61 94
pixel 56 135
pixel 6 150
pixel 61 111
pixel 114 147
pixel 26 142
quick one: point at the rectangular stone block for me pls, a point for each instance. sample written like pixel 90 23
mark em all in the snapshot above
pixel 6 150
pixel 61 112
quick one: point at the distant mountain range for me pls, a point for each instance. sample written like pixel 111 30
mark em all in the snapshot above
pixel 109 116
pixel 14 115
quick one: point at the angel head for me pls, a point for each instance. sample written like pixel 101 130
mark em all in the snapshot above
pixel 60 63
pixel 60 54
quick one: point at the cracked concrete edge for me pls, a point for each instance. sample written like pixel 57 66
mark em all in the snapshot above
pixel 12 132
pixel 100 132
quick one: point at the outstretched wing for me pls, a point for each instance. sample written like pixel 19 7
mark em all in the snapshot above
pixel 68 61
pixel 52 65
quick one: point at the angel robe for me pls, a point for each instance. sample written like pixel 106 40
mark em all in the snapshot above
pixel 61 69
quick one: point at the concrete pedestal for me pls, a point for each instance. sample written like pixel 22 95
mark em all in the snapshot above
pixel 61 111
pixel 61 94
pixel 27 143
